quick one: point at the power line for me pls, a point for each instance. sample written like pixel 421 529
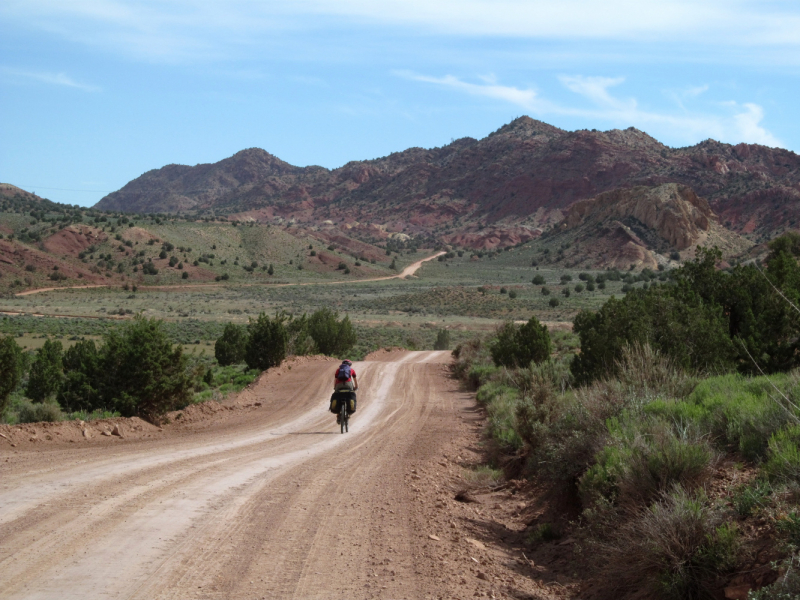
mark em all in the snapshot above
pixel 41 187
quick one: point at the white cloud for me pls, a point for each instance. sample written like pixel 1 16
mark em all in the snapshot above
pixel 734 123
pixel 695 91
pixel 737 21
pixel 749 126
pixel 525 98
pixel 596 90
pixel 59 79
pixel 196 29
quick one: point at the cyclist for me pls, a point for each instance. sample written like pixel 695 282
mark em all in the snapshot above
pixel 345 379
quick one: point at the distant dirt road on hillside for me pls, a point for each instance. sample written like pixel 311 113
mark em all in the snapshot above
pixel 271 503
pixel 409 270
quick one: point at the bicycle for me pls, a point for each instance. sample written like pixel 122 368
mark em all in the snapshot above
pixel 343 398
pixel 344 415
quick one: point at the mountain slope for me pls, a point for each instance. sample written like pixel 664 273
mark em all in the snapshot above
pixel 642 227
pixel 523 175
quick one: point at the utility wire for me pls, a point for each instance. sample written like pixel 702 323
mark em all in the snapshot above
pixel 41 187
pixel 780 293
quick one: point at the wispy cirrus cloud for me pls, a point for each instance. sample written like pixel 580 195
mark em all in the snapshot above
pixel 489 88
pixel 58 79
pixel 191 30
pixel 731 122
pixel 596 89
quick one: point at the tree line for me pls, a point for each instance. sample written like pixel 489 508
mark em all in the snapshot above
pixel 743 319
pixel 138 371
pixel 266 342
pixel 706 319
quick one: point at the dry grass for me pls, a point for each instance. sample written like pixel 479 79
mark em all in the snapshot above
pixel 673 550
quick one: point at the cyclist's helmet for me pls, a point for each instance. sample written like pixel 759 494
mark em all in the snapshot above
pixel 347 362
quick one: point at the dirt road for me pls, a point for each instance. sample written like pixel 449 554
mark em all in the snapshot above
pixel 408 271
pixel 270 503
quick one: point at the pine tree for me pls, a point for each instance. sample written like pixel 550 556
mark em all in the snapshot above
pixel 46 372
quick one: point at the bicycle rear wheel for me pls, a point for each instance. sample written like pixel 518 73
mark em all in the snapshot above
pixel 343 417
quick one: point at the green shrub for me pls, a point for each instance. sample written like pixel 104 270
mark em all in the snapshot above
pixel 479 374
pixel 465 355
pixel 203 396
pixel 94 415
pixel 743 412
pixel 299 343
pixel 650 374
pixel 442 340
pixel 544 532
pixel 501 407
pixel 483 475
pixel 45 376
pixel 333 337
pixel 747 498
pixel 783 460
pixel 11 369
pixel 229 349
pixel 789 526
pixel 564 433
pixel 694 337
pixel 82 374
pixel 554 374
pixel 143 374
pixel 266 343
pixel 34 412
pixel 676 549
pixel 642 460
pixel 519 346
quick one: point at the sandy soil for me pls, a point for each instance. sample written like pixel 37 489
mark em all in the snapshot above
pixel 264 498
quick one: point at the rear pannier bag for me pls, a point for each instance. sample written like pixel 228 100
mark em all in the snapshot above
pixel 345 396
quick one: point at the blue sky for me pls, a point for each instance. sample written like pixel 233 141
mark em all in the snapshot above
pixel 93 93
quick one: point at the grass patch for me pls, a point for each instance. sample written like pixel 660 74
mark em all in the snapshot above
pixel 484 476
pixel 544 532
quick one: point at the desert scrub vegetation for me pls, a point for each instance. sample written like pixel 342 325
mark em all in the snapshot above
pixel 219 381
pixel 643 426
pixel 640 453
pixel 179 332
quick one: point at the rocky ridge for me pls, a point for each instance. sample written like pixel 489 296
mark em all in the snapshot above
pixel 642 227
pixel 509 186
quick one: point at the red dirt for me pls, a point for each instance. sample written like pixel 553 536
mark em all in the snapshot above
pixel 262 497
pixel 73 240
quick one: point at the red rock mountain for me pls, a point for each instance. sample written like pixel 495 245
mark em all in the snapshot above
pixel 640 226
pixel 499 190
